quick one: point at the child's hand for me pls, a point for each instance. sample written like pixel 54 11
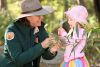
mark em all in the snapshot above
pixel 62 32
pixel 63 40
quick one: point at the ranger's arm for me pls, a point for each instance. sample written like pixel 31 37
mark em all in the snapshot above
pixel 15 51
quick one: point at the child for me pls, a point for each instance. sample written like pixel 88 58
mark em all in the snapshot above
pixel 76 38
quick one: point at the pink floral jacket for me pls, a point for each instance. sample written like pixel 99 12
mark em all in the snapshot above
pixel 70 43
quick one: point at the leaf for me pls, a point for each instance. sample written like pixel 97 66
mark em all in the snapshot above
pixel 89 34
pixel 62 22
pixel 55 38
pixel 77 31
pixel 73 50
pixel 70 32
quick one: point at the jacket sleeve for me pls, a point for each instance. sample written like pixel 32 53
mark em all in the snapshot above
pixel 42 36
pixel 48 55
pixel 14 50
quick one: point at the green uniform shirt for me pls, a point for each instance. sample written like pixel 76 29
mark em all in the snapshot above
pixel 20 49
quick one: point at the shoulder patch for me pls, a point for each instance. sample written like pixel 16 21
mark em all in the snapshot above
pixel 10 35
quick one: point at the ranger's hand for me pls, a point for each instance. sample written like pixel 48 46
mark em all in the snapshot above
pixel 46 43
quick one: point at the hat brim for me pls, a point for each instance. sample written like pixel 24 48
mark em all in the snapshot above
pixel 72 15
pixel 45 10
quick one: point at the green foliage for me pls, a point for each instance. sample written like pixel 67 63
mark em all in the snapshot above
pixel 5 19
pixel 54 19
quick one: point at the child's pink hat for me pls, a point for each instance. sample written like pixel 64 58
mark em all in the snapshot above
pixel 78 13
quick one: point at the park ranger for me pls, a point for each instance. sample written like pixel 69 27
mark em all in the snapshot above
pixel 26 40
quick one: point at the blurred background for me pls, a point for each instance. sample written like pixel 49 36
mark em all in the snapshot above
pixel 10 9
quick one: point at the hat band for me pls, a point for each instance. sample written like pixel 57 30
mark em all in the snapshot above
pixel 32 11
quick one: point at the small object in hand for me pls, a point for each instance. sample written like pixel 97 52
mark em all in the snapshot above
pixel 54 39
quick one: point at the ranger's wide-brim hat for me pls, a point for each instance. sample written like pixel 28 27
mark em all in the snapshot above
pixel 33 8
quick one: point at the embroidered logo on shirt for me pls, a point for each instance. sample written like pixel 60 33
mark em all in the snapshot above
pixel 10 36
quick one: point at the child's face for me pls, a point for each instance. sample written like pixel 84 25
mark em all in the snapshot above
pixel 71 22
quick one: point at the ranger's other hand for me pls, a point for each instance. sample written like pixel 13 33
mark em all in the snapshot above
pixel 46 43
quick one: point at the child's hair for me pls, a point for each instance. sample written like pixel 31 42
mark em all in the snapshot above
pixel 66 26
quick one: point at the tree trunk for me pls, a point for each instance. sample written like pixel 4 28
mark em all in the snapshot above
pixel 82 2
pixel 79 2
pixel 97 9
pixel 3 4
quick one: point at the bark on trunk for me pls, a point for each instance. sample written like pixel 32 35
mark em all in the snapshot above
pixel 3 4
